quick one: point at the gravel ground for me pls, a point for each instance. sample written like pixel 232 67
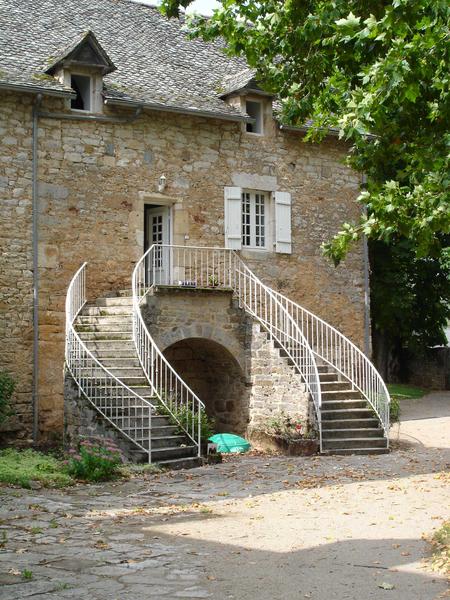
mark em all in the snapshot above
pixel 254 527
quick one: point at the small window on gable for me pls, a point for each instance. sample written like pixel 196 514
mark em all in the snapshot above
pixel 82 86
pixel 254 110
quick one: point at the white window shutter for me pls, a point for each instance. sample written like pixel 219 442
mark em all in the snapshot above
pixel 283 235
pixel 233 217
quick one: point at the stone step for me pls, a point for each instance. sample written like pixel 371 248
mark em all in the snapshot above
pixel 354 443
pixel 349 424
pixel 144 392
pixel 113 354
pixel 375 432
pixel 112 363
pixel 104 319
pixel 160 454
pixel 324 369
pixel 105 311
pixel 329 378
pixel 342 404
pixel 111 345
pixel 341 395
pixel 333 386
pixel 355 451
pixel 168 442
pixel 142 424
pixel 105 335
pixel 121 373
pixel 110 327
pixel 347 413
pixel 113 301
pixel 119 293
pixel 136 411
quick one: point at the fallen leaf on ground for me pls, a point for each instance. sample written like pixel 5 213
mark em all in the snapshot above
pixel 386 586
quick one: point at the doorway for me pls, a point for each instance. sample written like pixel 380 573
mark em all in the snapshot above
pixel 157 231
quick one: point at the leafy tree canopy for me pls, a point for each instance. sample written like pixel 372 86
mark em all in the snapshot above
pixel 378 71
pixel 409 296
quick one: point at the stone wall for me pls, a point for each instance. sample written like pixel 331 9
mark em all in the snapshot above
pixel 275 386
pixel 16 292
pixel 225 357
pixel 94 180
pixel 432 370
pixel 82 421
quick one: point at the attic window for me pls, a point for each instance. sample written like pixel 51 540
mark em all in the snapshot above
pixel 82 86
pixel 254 110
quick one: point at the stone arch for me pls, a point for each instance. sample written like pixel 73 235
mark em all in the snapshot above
pixel 216 376
pixel 205 331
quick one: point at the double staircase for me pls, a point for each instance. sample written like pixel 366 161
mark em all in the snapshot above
pixel 119 369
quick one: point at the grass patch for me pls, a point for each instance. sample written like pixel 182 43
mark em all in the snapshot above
pixel 21 467
pixel 440 549
pixel 402 391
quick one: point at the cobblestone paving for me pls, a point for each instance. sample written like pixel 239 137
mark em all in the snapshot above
pixel 253 527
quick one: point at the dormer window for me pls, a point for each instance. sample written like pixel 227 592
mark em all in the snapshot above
pixel 82 86
pixel 82 67
pixel 254 110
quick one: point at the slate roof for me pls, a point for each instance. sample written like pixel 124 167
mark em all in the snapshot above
pixel 244 80
pixel 157 65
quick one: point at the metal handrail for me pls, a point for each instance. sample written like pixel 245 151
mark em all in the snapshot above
pixel 165 264
pixel 263 304
pixel 105 391
pixel 177 398
pixel 331 346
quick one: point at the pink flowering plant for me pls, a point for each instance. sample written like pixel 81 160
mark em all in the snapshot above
pixel 94 459
pixel 288 427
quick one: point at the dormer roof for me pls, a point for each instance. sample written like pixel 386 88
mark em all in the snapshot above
pixel 242 83
pixel 85 52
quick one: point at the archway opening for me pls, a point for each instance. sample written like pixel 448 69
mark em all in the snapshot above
pixel 216 377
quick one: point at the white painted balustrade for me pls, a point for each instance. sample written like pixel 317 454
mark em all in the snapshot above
pixel 118 404
pixel 199 267
pixel 335 349
pixel 301 336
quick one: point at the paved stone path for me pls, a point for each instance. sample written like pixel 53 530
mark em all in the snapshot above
pixel 251 528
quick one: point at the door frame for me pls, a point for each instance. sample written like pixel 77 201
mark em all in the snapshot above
pixel 169 209
pixel 147 208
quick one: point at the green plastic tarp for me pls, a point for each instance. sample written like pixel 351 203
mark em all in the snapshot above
pixel 228 442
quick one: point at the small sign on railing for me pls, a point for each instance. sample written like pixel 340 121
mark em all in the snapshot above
pixel 187 283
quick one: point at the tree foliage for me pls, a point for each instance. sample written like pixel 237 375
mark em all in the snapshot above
pixel 377 71
pixel 409 295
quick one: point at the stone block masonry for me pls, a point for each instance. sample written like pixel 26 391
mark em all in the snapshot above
pixel 95 179
pixel 225 357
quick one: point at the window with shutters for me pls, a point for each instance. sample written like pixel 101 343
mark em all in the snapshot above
pixel 254 219
pixel 257 220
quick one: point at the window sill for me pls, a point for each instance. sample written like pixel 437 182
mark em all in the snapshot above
pixel 256 252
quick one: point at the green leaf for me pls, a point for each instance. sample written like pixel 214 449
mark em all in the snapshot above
pixel 350 22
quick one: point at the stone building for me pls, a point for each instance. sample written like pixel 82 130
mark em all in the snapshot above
pixel 116 132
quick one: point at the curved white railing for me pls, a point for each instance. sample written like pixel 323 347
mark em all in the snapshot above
pixel 262 302
pixel 338 351
pixel 213 267
pixel 175 396
pixel 117 403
